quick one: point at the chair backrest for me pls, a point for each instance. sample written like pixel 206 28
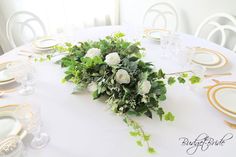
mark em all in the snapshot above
pixel 161 15
pixel 24 26
pixel 218 24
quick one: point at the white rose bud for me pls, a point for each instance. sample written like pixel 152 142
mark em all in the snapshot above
pixel 93 52
pixel 122 77
pixel 92 87
pixel 144 87
pixel 112 59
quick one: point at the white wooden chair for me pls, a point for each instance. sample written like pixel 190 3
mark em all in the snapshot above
pixel 161 15
pixel 23 27
pixel 219 24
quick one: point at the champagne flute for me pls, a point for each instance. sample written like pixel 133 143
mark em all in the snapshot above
pixel 30 116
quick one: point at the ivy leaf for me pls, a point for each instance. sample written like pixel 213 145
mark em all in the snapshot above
pixel 171 80
pixel 160 113
pixel 162 97
pixel 119 35
pixel 194 79
pixel 139 143
pixel 133 133
pixel 68 44
pixel 160 74
pixel 95 94
pixel 185 75
pixel 181 80
pixel 169 117
pixel 151 150
pixel 148 113
pixel 146 137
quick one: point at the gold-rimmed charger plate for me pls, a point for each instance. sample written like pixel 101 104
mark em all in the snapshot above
pixel 215 64
pixel 11 110
pixel 9 124
pixel 10 87
pixel 45 43
pixel 155 34
pixel 4 78
pixel 225 97
pixel 212 101
pixel 206 58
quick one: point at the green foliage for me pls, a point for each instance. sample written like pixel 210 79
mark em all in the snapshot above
pixel 151 150
pixel 169 117
pixel 185 75
pixel 181 80
pixel 171 80
pixel 194 79
pixel 124 99
pixel 139 134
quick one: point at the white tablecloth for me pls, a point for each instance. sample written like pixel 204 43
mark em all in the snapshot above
pixel 82 127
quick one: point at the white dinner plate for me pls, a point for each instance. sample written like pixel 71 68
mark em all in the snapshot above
pixel 45 43
pixel 224 108
pixel 155 34
pixel 226 98
pixel 5 78
pixel 8 124
pixel 208 58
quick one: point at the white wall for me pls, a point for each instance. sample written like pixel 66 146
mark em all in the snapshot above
pixel 192 12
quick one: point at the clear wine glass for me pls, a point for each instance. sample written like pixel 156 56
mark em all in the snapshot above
pixel 184 57
pixel 30 116
pixel 165 40
pixel 199 71
pixel 23 72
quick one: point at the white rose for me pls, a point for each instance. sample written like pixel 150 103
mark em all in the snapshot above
pixel 92 87
pixel 112 58
pixel 144 87
pixel 122 77
pixel 93 52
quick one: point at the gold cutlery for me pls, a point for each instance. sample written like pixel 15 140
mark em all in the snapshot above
pixel 218 82
pixel 206 75
pixel 217 75
pixel 231 125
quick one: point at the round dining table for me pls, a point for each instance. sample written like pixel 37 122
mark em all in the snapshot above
pixel 82 127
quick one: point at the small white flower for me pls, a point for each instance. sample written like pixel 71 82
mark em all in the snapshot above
pixel 92 87
pixel 112 59
pixel 144 87
pixel 93 52
pixel 122 76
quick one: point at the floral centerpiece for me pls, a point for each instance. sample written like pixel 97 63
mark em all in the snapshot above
pixel 112 68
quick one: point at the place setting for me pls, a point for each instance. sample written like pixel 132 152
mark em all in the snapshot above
pixel 208 58
pixel 8 83
pixel 39 47
pixel 156 34
pixel 16 76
